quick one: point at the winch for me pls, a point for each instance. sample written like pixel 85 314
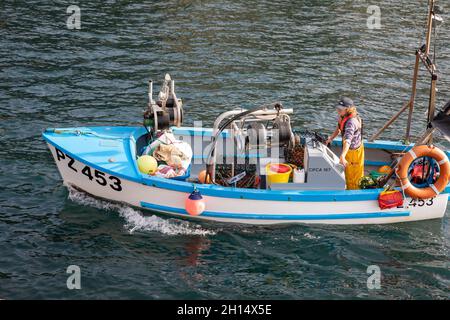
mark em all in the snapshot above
pixel 269 128
pixel 167 111
pixel 266 128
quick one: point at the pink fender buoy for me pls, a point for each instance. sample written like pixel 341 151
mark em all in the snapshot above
pixel 195 204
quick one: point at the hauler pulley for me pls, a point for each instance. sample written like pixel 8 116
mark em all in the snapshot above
pixel 165 112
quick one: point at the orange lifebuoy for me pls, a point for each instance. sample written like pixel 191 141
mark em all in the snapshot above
pixel 424 151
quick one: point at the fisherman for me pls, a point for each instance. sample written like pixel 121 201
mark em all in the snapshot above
pixel 352 156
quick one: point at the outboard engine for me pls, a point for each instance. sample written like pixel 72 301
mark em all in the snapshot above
pixel 167 111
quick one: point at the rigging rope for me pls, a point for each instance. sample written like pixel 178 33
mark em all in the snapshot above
pixel 85 132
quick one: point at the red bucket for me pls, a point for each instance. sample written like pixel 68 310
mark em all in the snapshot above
pixel 279 168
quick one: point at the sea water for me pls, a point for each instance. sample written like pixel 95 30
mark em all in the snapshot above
pixel 222 54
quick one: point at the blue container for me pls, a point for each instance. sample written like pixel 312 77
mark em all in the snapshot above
pixel 185 176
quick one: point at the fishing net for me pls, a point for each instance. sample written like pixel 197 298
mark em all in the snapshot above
pixel 224 173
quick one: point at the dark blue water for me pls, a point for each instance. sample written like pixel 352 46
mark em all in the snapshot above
pixel 221 54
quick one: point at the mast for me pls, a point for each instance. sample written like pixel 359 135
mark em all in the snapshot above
pixel 422 55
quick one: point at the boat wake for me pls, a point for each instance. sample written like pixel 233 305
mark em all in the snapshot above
pixel 134 219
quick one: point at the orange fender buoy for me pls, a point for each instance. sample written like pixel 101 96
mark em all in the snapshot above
pixel 203 177
pixel 384 169
pixel 195 204
pixel 432 190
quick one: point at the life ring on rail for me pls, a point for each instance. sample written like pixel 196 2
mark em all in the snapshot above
pixel 433 189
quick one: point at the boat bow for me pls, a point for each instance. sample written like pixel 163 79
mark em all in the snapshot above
pixel 108 149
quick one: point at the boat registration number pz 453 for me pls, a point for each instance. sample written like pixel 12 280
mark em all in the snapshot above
pixel 93 174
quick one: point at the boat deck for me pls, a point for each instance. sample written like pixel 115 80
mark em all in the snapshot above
pixel 113 150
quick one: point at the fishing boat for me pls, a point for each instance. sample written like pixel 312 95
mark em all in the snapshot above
pixel 253 167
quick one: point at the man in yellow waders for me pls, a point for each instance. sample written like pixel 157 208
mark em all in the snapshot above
pixel 352 156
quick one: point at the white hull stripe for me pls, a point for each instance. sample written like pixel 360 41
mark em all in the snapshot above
pixel 263 216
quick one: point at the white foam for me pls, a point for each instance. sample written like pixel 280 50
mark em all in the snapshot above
pixel 308 235
pixel 135 221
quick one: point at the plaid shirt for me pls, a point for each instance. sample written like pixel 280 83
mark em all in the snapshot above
pixel 352 133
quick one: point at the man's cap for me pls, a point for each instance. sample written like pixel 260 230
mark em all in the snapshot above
pixel 345 102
